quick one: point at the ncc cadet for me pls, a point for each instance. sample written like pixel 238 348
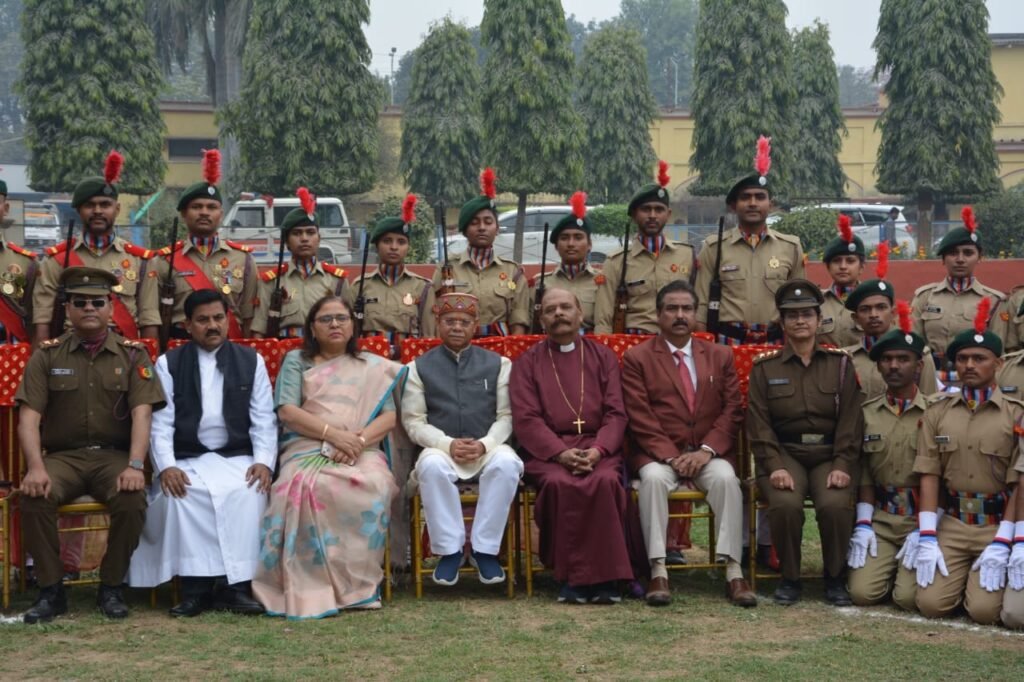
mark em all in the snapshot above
pixel 967 449
pixel 86 401
pixel 18 273
pixel 571 238
pixel 205 261
pixel 652 261
pixel 1012 316
pixel 303 281
pixel 756 261
pixel 844 258
pixel 396 300
pixel 943 308
pixel 135 310
pixel 887 502
pixel 499 285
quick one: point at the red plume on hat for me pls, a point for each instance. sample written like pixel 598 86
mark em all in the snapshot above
pixel 967 215
pixel 981 317
pixel 578 202
pixel 489 183
pixel 845 230
pixel 882 269
pixel 307 201
pixel 112 167
pixel 903 313
pixel 211 166
pixel 663 178
pixel 409 209
pixel 763 159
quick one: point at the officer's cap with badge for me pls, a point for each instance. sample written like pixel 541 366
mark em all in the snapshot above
pixel 576 219
pixel 96 186
pixel 484 202
pixel 902 338
pixel 873 287
pixel 798 294
pixel 652 192
pixel 846 243
pixel 979 336
pixel 207 189
pixel 84 281
pixel 758 179
pixel 967 234
pixel 303 216
pixel 402 225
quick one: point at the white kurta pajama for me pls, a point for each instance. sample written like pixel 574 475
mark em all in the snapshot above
pixel 214 529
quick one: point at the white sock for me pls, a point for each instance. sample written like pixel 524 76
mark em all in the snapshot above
pixel 658 569
pixel 733 570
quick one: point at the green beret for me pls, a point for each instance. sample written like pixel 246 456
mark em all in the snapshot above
pixel 956 237
pixel 474 206
pixel 3 188
pixel 648 193
pixel 87 281
pixel 297 218
pixel 90 187
pixel 199 190
pixel 969 338
pixel 797 294
pixel 840 247
pixel 872 287
pixel 897 339
pixel 570 221
pixel 386 225
pixel 752 180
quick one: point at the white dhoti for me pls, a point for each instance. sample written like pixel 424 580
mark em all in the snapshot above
pixel 212 531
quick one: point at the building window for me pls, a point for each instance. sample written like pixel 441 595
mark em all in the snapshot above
pixel 188 148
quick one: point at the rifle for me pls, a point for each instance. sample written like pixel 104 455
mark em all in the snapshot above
pixel 715 291
pixel 57 322
pixel 167 289
pixel 277 298
pixel 622 291
pixel 359 309
pixel 447 272
pixel 538 297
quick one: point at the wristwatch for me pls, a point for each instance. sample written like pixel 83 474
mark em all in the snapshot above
pixel 136 464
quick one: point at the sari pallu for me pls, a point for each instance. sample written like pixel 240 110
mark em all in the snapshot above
pixel 323 534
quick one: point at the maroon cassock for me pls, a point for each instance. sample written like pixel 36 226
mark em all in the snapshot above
pixel 581 518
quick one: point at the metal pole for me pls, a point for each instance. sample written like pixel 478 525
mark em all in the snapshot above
pixel 675 98
pixel 392 79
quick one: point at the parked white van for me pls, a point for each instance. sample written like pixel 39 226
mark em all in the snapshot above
pixel 254 222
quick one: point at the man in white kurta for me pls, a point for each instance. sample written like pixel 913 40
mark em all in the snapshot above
pixel 213 466
pixel 456 407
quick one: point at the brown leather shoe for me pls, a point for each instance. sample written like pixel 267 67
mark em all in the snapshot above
pixel 740 594
pixel 658 593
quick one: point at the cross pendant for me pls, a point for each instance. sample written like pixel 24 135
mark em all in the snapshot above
pixel 579 424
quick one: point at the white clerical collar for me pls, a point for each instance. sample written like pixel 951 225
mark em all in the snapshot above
pixel 687 349
pixel 567 348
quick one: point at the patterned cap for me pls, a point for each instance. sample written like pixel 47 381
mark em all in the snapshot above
pixel 456 303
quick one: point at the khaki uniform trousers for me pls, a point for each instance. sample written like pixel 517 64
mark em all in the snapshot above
pixel 74 473
pixel 834 510
pixel 961 544
pixel 1013 609
pixel 718 480
pixel 882 575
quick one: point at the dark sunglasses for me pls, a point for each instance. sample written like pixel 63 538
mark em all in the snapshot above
pixel 94 302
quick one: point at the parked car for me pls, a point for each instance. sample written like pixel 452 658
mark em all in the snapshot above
pixel 868 221
pixel 251 221
pixel 42 225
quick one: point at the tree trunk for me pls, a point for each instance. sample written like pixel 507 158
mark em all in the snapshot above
pixel 517 245
pixel 925 206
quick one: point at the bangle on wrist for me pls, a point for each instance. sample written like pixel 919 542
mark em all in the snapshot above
pixel 323 434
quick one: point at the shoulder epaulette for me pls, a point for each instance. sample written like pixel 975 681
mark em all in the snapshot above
pixel 921 289
pixel 938 397
pixel 131 343
pixel 836 351
pixel 50 343
pixel 268 276
pixel 417 275
pixel 238 245
pixel 21 251
pixel 56 249
pixel 613 254
pixel 335 270
pixel 138 251
pixel 767 355
pixel 791 238
pixel 872 401
pixel 679 242
pixel 166 251
pixel 993 292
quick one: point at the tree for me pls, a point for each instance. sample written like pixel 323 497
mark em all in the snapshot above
pixel 90 82
pixel 532 132
pixel 12 115
pixel 937 130
pixel 857 87
pixel 442 123
pixel 307 114
pixel 617 109
pixel 403 76
pixel 743 89
pixel 667 29
pixel 815 171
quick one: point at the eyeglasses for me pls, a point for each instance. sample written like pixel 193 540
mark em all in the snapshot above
pixel 94 302
pixel 326 320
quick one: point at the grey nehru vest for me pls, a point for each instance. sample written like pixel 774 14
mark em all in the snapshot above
pixel 461 393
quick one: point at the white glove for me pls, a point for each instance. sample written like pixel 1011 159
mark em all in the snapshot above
pixel 993 561
pixel 908 552
pixel 863 539
pixel 1015 571
pixel 929 555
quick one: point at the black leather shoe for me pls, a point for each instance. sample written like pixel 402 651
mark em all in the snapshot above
pixel 51 602
pixel 675 558
pixel 111 602
pixel 191 606
pixel 836 593
pixel 788 592
pixel 237 600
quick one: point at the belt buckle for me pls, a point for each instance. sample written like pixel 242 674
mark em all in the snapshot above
pixel 971 505
pixel 897 500
pixel 812 438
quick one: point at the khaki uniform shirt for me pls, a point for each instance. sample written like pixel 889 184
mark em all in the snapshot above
pixel 873 385
pixel 87 401
pixel 972 452
pixel 837 325
pixel 137 274
pixel 226 266
pixel 940 314
pixel 18 270
pixel 750 277
pixel 1012 317
pixel 584 285
pixel 401 307
pixel 645 275
pixel 501 287
pixel 1011 376
pixel 890 443
pixel 300 294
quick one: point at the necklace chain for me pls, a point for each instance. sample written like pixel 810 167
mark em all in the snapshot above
pixel 579 413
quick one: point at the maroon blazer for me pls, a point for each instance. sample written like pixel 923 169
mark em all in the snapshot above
pixel 660 425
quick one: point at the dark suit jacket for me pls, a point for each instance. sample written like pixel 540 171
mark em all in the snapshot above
pixel 660 425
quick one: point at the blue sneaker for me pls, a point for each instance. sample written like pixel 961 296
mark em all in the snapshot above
pixel 447 570
pixel 488 566
pixel 571 595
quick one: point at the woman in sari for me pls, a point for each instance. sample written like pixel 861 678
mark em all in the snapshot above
pixel 324 531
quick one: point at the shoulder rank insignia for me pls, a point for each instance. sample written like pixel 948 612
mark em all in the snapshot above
pixel 50 343
pixel 138 251
pixel 334 270
pixel 238 245
pixel 20 251
pixel 767 355
pixel 57 248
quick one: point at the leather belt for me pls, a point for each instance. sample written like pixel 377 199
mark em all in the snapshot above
pixel 811 439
